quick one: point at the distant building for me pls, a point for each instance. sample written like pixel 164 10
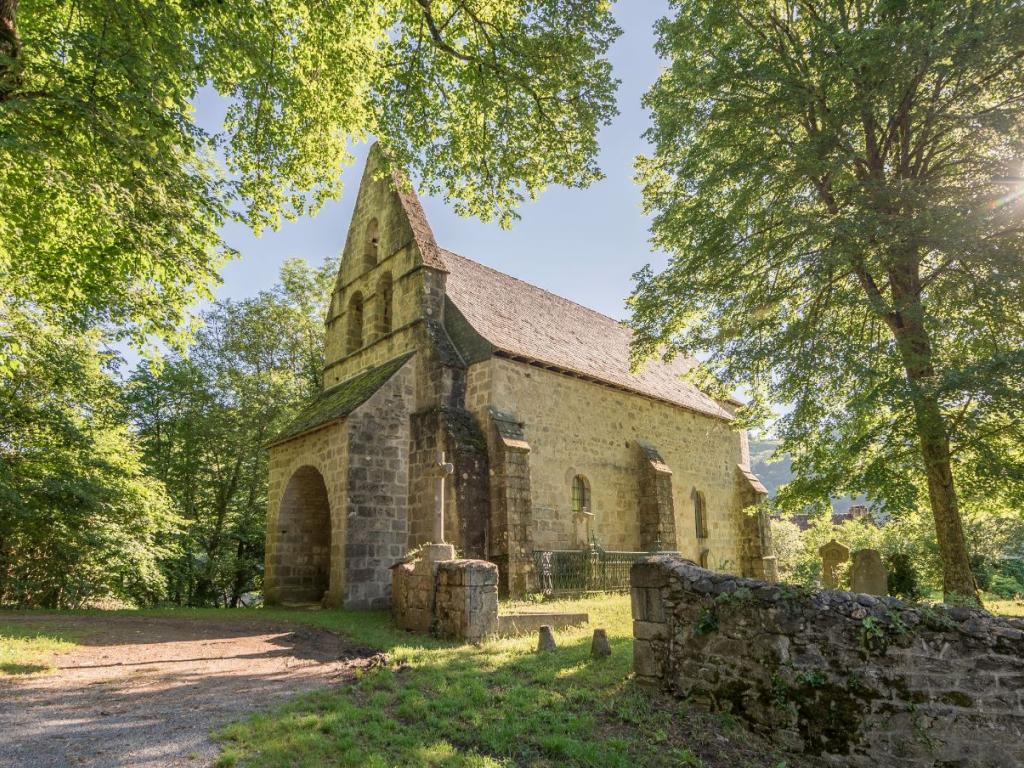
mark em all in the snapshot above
pixel 856 512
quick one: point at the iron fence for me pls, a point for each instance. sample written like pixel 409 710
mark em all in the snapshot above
pixel 575 571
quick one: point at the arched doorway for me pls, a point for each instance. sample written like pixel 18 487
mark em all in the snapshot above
pixel 304 530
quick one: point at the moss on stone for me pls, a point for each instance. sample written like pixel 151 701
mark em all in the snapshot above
pixel 958 698
pixel 340 400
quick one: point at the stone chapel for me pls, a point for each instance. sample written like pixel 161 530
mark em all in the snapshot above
pixel 555 443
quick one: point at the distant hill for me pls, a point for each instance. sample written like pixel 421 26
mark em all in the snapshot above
pixel 772 474
pixel 779 472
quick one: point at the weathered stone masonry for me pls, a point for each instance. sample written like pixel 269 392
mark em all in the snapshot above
pixel 529 396
pixel 854 679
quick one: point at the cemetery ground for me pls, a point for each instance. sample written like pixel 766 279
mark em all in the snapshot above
pixel 180 687
pixel 391 699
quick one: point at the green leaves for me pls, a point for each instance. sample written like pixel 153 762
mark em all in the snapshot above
pixel 113 194
pixel 203 421
pixel 823 178
pixel 79 519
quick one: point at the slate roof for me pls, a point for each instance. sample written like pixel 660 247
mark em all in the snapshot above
pixel 421 230
pixel 339 401
pixel 528 322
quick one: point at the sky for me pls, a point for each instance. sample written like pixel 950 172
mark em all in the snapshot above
pixel 582 244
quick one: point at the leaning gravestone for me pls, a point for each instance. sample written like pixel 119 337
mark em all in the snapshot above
pixel 833 555
pixel 868 574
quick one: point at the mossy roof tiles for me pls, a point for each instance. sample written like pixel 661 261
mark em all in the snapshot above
pixel 340 400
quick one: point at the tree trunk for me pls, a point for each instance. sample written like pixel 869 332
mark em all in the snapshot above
pixel 958 582
pixel 10 49
pixel 907 324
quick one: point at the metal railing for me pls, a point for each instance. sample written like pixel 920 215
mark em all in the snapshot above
pixel 577 571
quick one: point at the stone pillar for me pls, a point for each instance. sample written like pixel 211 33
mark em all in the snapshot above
pixel 832 555
pixel 412 587
pixel 469 501
pixel 868 574
pixel 657 510
pixel 756 551
pixel 511 539
pixel 651 630
pixel 467 600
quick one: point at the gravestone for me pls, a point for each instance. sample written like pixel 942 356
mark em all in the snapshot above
pixel 833 555
pixel 868 574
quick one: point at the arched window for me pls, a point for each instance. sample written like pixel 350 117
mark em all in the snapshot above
pixel 700 514
pixel 355 322
pixel 580 495
pixel 372 241
pixel 384 304
pixel 704 558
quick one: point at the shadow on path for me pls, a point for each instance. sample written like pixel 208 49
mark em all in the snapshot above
pixel 146 692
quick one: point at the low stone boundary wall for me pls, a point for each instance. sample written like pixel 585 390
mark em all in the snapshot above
pixel 855 679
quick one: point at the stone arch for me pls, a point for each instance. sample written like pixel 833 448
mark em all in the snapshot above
pixel 304 535
pixel 355 322
pixel 581 494
pixel 371 245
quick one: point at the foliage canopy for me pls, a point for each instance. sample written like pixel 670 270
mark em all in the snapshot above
pixel 203 422
pixel 80 519
pixel 829 179
pixel 113 194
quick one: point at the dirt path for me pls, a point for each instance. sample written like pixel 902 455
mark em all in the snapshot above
pixel 147 691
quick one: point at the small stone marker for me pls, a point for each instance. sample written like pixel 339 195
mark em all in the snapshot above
pixel 545 639
pixel 833 555
pixel 868 574
pixel 600 648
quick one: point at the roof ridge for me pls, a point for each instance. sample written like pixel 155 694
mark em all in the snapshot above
pixel 602 315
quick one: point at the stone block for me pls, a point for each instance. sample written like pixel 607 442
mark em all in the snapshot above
pixel 646 662
pixel 650 630
pixel 647 574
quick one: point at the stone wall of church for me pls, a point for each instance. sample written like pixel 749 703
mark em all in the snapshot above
pixel 364 463
pixel 377 492
pixel 579 427
pixel 326 452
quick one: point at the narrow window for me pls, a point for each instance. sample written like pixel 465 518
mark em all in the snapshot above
pixel 355 322
pixel 700 514
pixel 704 557
pixel 372 241
pixel 384 302
pixel 580 495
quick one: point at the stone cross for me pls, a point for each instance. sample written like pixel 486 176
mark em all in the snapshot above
pixel 443 470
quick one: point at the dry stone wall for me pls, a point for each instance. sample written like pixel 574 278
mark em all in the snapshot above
pixel 855 679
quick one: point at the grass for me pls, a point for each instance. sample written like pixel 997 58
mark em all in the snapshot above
pixel 997 606
pixel 27 651
pixel 1001 607
pixel 497 704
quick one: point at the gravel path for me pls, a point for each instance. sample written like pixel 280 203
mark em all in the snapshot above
pixel 147 692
